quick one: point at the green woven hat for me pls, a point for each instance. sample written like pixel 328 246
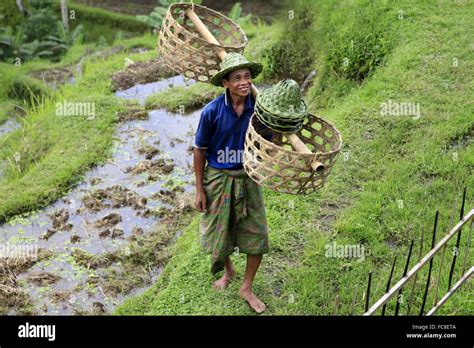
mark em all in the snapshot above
pixel 282 126
pixel 234 61
pixel 283 100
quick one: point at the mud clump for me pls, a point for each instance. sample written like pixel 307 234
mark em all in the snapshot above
pixel 113 197
pixel 164 213
pixel 94 201
pixel 104 234
pixel 43 278
pixel 140 72
pixel 75 239
pixel 88 260
pixel 117 232
pixel 108 220
pixel 98 308
pixel 175 141
pixel 59 220
pixel 48 234
pixel 137 231
pixel 13 297
pixel 131 113
pixel 166 196
pixel 184 203
pixel 54 77
pixel 155 168
pixel 60 296
pixel 95 181
pixel 149 151
pixel 174 185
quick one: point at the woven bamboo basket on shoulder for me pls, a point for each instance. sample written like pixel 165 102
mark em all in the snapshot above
pixel 186 52
pixel 270 160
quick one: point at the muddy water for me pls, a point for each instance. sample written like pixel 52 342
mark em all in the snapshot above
pixel 8 126
pixel 91 220
pixel 140 92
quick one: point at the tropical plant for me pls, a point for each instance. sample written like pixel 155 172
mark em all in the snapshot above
pixel 13 45
pixel 40 35
pixel 155 18
pixel 58 44
pixel 236 13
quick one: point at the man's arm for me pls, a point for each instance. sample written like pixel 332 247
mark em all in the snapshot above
pixel 199 163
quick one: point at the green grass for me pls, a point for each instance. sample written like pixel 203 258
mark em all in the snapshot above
pixel 424 163
pixel 99 22
pixel 184 99
pixel 54 155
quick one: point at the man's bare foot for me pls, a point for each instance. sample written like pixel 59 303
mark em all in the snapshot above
pixel 222 283
pixel 254 302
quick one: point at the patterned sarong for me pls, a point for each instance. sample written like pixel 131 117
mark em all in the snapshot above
pixel 235 218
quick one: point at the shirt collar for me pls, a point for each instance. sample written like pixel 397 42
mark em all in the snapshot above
pixel 248 100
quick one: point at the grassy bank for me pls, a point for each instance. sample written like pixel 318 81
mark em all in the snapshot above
pixel 99 22
pixel 19 88
pixel 394 173
pixel 183 99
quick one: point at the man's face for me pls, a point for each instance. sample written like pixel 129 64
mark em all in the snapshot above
pixel 239 82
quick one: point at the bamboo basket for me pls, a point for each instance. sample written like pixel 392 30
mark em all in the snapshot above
pixel 270 160
pixel 186 52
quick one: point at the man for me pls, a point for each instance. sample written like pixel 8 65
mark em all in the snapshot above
pixel 234 216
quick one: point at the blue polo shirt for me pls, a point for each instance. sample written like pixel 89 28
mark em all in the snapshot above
pixel 222 132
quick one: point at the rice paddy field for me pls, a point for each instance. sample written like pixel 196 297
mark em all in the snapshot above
pixel 96 171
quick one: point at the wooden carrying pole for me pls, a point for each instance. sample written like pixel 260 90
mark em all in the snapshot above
pixel 296 142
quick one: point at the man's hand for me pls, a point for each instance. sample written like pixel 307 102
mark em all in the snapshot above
pixel 201 201
pixel 199 162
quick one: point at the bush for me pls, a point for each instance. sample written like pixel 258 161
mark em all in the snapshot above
pixel 39 25
pixel 343 42
pixel 41 34
pixel 362 44
pixel 292 55
pixel 28 89
pixel 9 13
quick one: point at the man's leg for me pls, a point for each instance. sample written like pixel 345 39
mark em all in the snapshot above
pixel 229 273
pixel 253 262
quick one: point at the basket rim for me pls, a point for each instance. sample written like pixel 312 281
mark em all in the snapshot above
pixel 262 118
pixel 199 37
pixel 309 155
pixel 280 116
